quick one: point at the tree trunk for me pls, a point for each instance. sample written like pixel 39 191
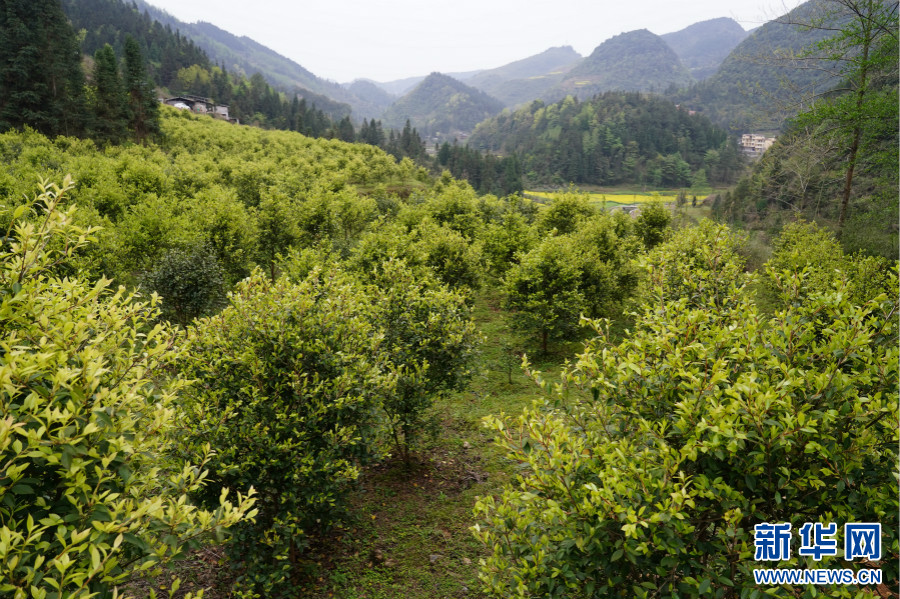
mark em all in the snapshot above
pixel 857 132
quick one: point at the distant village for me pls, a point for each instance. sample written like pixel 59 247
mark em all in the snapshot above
pixel 200 105
pixel 754 145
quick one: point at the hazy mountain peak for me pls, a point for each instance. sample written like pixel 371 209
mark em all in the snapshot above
pixel 526 79
pixel 440 104
pixel 636 60
pixel 703 46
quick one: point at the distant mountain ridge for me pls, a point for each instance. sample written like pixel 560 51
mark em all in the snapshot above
pixel 551 60
pixel 442 106
pixel 524 80
pixel 703 46
pixel 740 90
pixel 633 61
pixel 398 87
pixel 370 92
pixel 756 87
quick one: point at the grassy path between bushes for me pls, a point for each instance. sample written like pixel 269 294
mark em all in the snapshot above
pixel 411 538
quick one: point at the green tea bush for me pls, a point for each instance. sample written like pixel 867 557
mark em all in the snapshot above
pixel 190 282
pixel 606 249
pixel 456 262
pixel 89 495
pixel 544 290
pixel 429 343
pixel 506 241
pixel 288 384
pixel 589 272
pixel 646 474
pixel 809 248
pixel 454 204
pixel 565 213
pixel 652 224
pixel 701 265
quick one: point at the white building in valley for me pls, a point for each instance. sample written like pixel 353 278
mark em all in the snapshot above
pixel 754 145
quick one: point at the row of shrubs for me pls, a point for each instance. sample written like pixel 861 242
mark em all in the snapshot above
pixel 737 399
pixel 125 442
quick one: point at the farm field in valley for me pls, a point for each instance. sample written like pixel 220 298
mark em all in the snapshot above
pixel 617 198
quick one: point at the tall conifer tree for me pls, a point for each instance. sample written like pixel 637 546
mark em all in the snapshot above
pixel 110 102
pixel 144 108
pixel 41 81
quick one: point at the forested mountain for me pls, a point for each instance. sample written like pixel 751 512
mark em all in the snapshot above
pixel 174 62
pixel 246 56
pixel 399 87
pixel 110 21
pixel 836 163
pixel 527 79
pixel 612 138
pixel 633 61
pixel 441 105
pixel 759 85
pixel 370 92
pixel 703 46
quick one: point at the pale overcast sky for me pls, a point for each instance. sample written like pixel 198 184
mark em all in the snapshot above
pixel 385 40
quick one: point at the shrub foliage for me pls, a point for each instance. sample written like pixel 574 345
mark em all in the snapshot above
pixel 647 473
pixel 88 496
pixel 287 385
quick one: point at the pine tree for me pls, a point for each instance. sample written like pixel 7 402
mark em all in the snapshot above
pixel 110 102
pixel 144 108
pixel 376 133
pixel 41 81
pixel 345 130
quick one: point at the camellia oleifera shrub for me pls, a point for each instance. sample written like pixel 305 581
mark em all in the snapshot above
pixel 806 246
pixel 587 272
pixel 646 475
pixel 190 282
pixel 288 386
pixel 429 343
pixel 299 382
pixel 88 497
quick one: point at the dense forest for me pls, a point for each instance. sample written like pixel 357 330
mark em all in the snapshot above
pixel 110 22
pixel 610 139
pixel 250 362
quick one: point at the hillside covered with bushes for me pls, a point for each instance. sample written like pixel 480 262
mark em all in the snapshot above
pixel 239 362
